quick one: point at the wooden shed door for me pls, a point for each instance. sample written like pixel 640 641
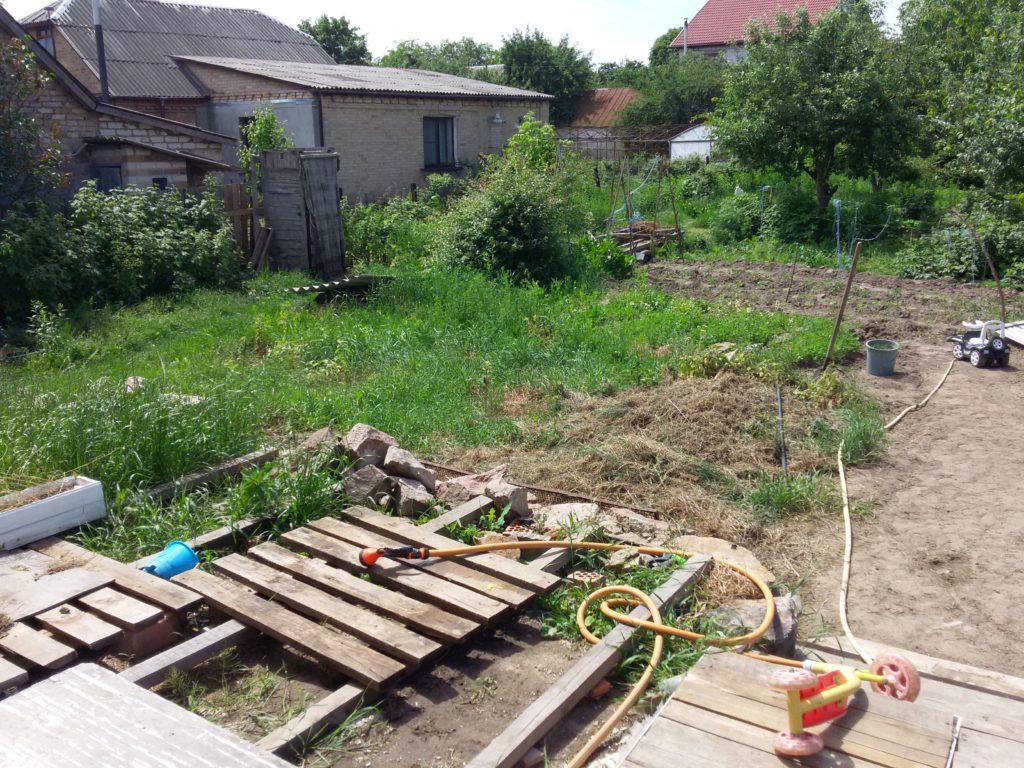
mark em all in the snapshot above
pixel 325 238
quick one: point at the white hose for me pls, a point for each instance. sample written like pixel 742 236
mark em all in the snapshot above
pixel 924 402
pixel 847 557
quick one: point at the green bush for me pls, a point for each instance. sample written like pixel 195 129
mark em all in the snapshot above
pixel 382 233
pixel 524 214
pixel 607 257
pixel 117 247
pixel 736 218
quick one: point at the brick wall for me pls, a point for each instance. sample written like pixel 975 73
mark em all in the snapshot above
pixel 226 83
pixel 179 110
pixel 73 63
pixel 380 139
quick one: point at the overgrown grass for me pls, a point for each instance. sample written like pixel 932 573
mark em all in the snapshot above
pixel 776 498
pixel 428 358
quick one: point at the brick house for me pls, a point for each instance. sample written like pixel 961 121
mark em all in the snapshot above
pixel 391 127
pixel 595 119
pixel 215 66
pixel 114 145
pixel 720 26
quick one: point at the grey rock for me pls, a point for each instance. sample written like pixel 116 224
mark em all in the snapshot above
pixel 578 519
pixel 745 615
pixel 411 498
pixel 459 490
pixel 507 495
pixel 367 445
pixel 321 448
pixel 367 485
pixel 399 461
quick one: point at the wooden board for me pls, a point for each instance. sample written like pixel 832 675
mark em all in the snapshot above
pixel 189 654
pixel 87 717
pixel 31 582
pixel 385 635
pixel 451 570
pixel 415 582
pixel 984 750
pixel 120 609
pixel 131 580
pixel 338 650
pixel 35 647
pixel 231 468
pixel 466 512
pixel 545 713
pixel 424 617
pixel 508 570
pixel 329 711
pixel 11 675
pixel 79 627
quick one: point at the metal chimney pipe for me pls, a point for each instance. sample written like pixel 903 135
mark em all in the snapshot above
pixel 101 54
pixel 686 32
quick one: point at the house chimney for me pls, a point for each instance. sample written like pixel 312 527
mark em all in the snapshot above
pixel 101 55
pixel 686 32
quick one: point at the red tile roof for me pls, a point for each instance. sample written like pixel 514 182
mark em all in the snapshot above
pixel 723 21
pixel 600 108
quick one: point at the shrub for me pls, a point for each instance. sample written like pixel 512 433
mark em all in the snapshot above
pixel 607 257
pixel 384 232
pixel 737 218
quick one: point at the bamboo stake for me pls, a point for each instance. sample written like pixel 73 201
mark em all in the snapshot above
pixel 842 305
pixel 988 257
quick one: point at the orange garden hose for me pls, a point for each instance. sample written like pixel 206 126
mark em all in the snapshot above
pixel 655 624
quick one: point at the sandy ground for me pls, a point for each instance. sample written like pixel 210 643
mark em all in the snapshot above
pixel 937 562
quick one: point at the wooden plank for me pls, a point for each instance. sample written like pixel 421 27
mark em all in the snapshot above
pixel 385 635
pixel 230 468
pixel 452 570
pixel 998 683
pixel 11 675
pixel 326 713
pixel 511 571
pixel 119 609
pixel 414 582
pixel 80 627
pixel 985 750
pixel 552 560
pixel 340 651
pixel 31 582
pixel 427 618
pixel 189 654
pixel 87 716
pixel 35 647
pixel 467 512
pixel 131 580
pixel 845 735
pixel 545 713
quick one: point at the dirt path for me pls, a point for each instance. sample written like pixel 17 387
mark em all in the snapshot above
pixel 937 563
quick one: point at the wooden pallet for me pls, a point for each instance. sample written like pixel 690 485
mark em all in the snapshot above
pixel 66 602
pixel 724 713
pixel 310 594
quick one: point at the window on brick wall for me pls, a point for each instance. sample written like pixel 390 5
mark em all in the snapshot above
pixel 438 142
pixel 160 182
pixel 107 177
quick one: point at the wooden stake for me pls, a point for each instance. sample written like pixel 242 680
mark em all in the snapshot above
pixel 792 272
pixel 675 213
pixel 988 257
pixel 842 305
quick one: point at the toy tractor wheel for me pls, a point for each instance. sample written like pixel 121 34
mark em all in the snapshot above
pixel 998 344
pixel 904 682
pixel 797 744
pixel 958 351
pixel 792 679
pixel 978 360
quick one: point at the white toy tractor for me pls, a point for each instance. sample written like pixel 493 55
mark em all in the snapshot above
pixel 983 343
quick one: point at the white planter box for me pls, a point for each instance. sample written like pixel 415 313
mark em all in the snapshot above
pixel 47 509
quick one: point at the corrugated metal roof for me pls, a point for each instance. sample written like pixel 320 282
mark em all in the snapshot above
pixel 367 79
pixel 142 36
pixel 600 108
pixel 724 21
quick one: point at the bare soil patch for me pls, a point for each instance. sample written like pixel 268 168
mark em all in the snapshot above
pixel 879 305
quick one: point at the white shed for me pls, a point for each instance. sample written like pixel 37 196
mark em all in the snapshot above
pixel 695 140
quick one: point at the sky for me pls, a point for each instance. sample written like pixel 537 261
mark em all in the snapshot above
pixel 612 30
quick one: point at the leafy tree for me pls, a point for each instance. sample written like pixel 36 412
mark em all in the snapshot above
pixel 660 52
pixel 454 57
pixel 339 38
pixel 262 133
pixel 627 74
pixel 535 63
pixel 819 99
pixel 678 91
pixel 29 156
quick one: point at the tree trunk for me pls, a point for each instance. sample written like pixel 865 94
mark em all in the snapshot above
pixel 822 189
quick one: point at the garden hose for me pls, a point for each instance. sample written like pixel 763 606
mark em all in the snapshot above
pixel 367 557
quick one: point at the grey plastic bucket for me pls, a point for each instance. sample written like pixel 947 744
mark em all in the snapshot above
pixel 882 356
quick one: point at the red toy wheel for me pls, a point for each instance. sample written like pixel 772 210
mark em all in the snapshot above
pixel 904 682
pixel 797 744
pixel 792 679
